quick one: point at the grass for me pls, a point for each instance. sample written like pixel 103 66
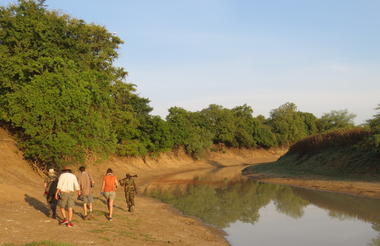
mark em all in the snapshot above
pixel 105 239
pixel 337 138
pixel 128 234
pixel 338 155
pixel 97 231
pixel 345 163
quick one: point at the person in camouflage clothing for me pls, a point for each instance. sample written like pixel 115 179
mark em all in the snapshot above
pixel 50 185
pixel 130 190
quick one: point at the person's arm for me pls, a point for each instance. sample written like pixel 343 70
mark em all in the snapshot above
pixel 59 187
pixel 76 186
pixel 116 183
pixel 92 182
pixel 45 187
pixel 134 184
pixel 103 184
pixel 56 194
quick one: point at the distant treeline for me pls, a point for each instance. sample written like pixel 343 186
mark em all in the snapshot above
pixel 65 100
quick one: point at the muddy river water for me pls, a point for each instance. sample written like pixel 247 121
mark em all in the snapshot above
pixel 254 213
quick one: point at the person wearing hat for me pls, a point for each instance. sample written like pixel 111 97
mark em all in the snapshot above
pixel 130 190
pixel 67 187
pixel 50 185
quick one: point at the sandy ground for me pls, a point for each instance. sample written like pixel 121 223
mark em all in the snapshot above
pixel 24 213
pixel 364 189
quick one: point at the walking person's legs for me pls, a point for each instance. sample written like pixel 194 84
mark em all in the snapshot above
pixel 110 206
pixel 70 205
pixel 84 209
pixel 70 212
pixel 63 212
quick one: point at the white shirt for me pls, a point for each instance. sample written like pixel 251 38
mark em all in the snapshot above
pixel 68 182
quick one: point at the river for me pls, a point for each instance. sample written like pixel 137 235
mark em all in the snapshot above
pixel 255 213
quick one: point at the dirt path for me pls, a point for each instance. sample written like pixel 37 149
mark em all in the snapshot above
pixel 24 213
pixel 152 223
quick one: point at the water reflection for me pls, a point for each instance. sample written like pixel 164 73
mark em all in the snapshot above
pixel 235 203
pixel 228 202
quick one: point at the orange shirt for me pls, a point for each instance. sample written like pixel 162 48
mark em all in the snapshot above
pixel 109 183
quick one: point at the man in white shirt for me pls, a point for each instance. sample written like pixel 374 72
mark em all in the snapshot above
pixel 66 188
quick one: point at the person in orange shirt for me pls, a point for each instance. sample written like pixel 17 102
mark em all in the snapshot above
pixel 109 186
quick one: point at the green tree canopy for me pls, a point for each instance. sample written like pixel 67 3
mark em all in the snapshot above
pixel 288 124
pixel 336 119
pixel 59 86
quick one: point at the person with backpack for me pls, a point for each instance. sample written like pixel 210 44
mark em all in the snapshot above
pixel 86 184
pixel 50 185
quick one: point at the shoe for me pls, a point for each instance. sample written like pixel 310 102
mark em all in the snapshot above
pixel 109 218
pixel 70 224
pixel 64 222
pixel 90 216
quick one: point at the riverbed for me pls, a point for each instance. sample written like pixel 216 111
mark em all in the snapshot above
pixel 255 213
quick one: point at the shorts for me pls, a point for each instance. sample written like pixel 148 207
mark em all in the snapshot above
pixel 88 199
pixel 66 199
pixel 110 195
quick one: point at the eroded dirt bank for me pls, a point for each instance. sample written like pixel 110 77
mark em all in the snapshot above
pixel 24 214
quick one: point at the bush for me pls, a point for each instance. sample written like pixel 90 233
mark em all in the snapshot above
pixel 337 138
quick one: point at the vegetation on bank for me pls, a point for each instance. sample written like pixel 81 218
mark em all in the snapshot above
pixel 65 100
pixel 343 153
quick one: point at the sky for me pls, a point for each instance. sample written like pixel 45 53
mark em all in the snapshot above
pixel 322 55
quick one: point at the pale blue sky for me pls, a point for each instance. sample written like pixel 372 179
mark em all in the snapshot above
pixel 322 55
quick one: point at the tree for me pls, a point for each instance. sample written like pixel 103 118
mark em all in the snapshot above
pixel 374 125
pixel 336 119
pixel 287 124
pixel 220 122
pixel 56 79
pixel 244 127
pixel 188 129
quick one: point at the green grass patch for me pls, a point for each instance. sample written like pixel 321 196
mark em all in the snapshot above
pixel 97 231
pixel 128 234
pixel 105 239
pixel 148 237
pixel 98 213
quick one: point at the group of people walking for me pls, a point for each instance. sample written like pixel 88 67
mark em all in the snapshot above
pixel 63 190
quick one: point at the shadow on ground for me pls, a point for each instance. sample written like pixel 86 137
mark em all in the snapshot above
pixel 37 204
pixel 216 164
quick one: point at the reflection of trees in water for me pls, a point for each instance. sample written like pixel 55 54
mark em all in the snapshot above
pixel 344 206
pixel 375 242
pixel 288 203
pixel 231 202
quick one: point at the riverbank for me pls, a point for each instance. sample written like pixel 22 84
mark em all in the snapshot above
pixel 24 214
pixel 346 170
pixel 356 188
